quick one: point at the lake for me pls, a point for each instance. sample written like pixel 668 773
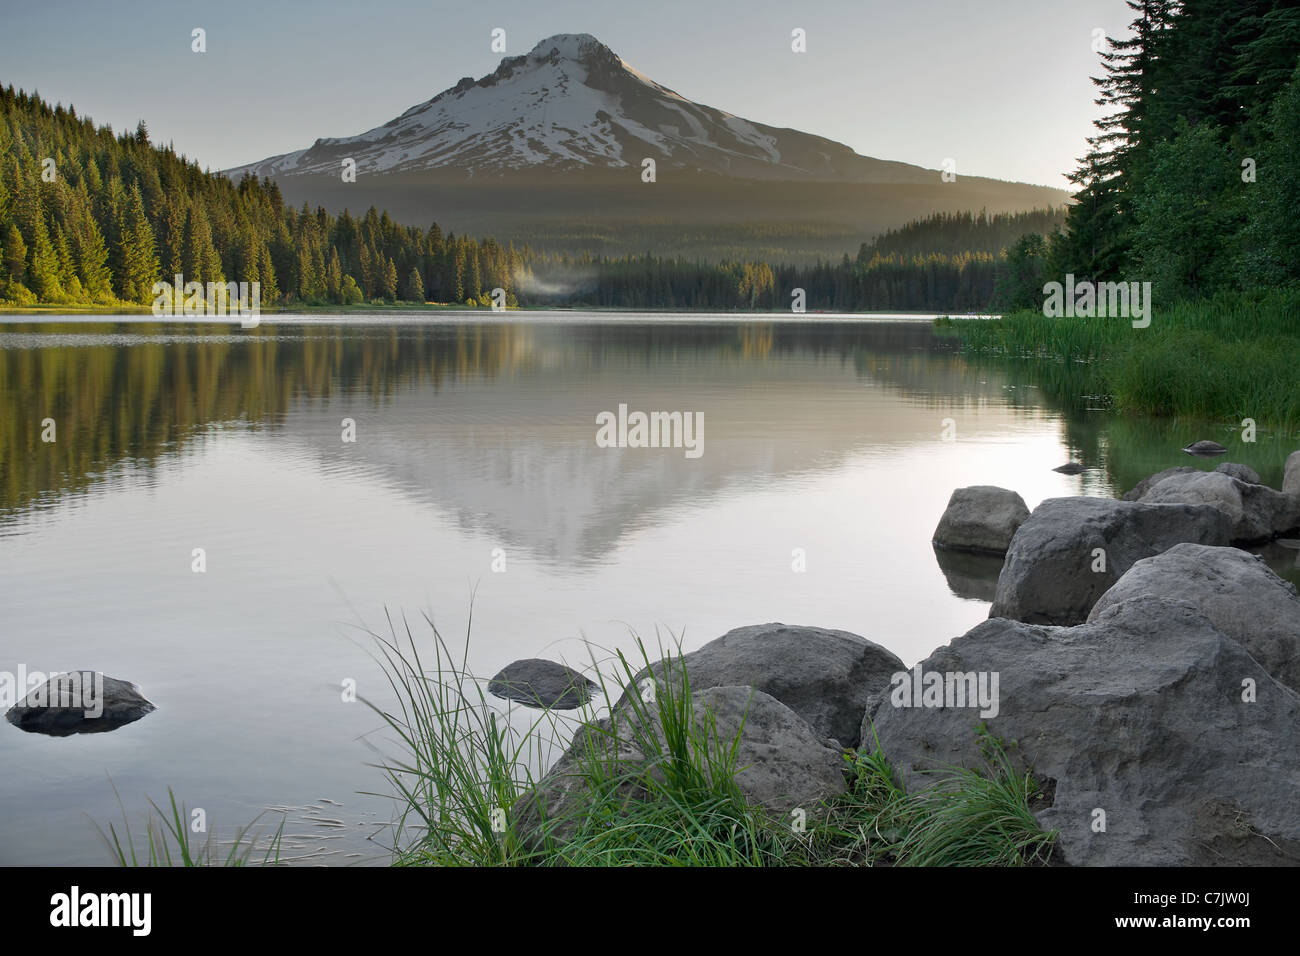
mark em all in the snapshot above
pixel 828 451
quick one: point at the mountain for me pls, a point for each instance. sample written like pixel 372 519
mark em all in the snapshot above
pixel 549 148
pixel 572 104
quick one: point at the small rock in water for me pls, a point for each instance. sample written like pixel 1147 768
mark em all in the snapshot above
pixel 79 702
pixel 541 683
pixel 1205 448
pixel 1070 468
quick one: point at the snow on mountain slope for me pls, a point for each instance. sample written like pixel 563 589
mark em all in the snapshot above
pixel 570 104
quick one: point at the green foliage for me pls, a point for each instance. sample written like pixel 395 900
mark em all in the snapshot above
pixel 1020 285
pixel 1268 243
pixel 1224 358
pixel 465 785
pixel 1199 87
pixel 1186 209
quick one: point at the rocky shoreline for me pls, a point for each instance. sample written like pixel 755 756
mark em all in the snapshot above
pixel 1144 669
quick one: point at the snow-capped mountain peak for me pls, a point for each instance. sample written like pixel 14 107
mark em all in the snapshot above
pixel 570 103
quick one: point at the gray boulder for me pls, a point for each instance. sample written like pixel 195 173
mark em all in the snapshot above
pixel 826 677
pixel 981 518
pixel 1291 479
pixel 1146 484
pixel 1255 512
pixel 541 683
pixel 1241 472
pixel 1235 590
pixel 79 702
pixel 1138 714
pixel 782 762
pixel 1049 575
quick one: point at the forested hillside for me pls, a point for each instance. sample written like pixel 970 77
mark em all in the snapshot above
pixel 90 217
pixel 1193 181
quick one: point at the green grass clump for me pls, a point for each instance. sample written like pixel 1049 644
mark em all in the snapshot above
pixel 654 784
pixel 1227 358
pixel 976 819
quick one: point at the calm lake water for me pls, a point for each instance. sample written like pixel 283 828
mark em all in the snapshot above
pixel 474 443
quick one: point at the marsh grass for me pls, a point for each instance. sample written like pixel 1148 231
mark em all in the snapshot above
pixel 653 783
pixel 168 841
pixel 1224 359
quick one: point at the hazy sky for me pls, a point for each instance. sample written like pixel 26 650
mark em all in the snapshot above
pixel 1001 87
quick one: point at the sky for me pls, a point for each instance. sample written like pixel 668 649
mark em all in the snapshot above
pixel 1002 88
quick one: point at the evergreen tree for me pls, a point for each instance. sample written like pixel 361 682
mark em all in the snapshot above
pixel 414 287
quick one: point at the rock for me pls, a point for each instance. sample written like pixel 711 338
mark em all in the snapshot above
pixel 826 677
pixel 1235 590
pixel 981 518
pixel 541 683
pixel 1048 577
pixel 1240 472
pixel 1069 468
pixel 1146 484
pixel 970 576
pixel 1139 714
pixel 1291 480
pixel 79 702
pixel 1255 512
pixel 1205 448
pixel 783 763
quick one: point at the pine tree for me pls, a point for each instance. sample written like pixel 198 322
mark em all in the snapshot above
pixel 15 255
pixel 389 289
pixel 334 277
pixel 139 268
pixel 414 287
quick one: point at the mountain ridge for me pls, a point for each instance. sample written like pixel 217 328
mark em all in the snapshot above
pixel 548 149
pixel 572 104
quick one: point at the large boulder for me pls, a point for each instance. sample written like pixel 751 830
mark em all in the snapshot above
pixel 782 762
pixel 1071 550
pixel 541 683
pixel 1235 590
pixel 1291 479
pixel 1142 715
pixel 981 518
pixel 1255 512
pixel 79 702
pixel 828 678
pixel 1146 484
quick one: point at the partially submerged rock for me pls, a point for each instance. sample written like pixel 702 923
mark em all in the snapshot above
pixel 1070 468
pixel 1071 550
pixel 981 519
pixel 1235 590
pixel 826 677
pixel 1255 512
pixel 1205 448
pixel 1161 740
pixel 540 683
pixel 79 702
